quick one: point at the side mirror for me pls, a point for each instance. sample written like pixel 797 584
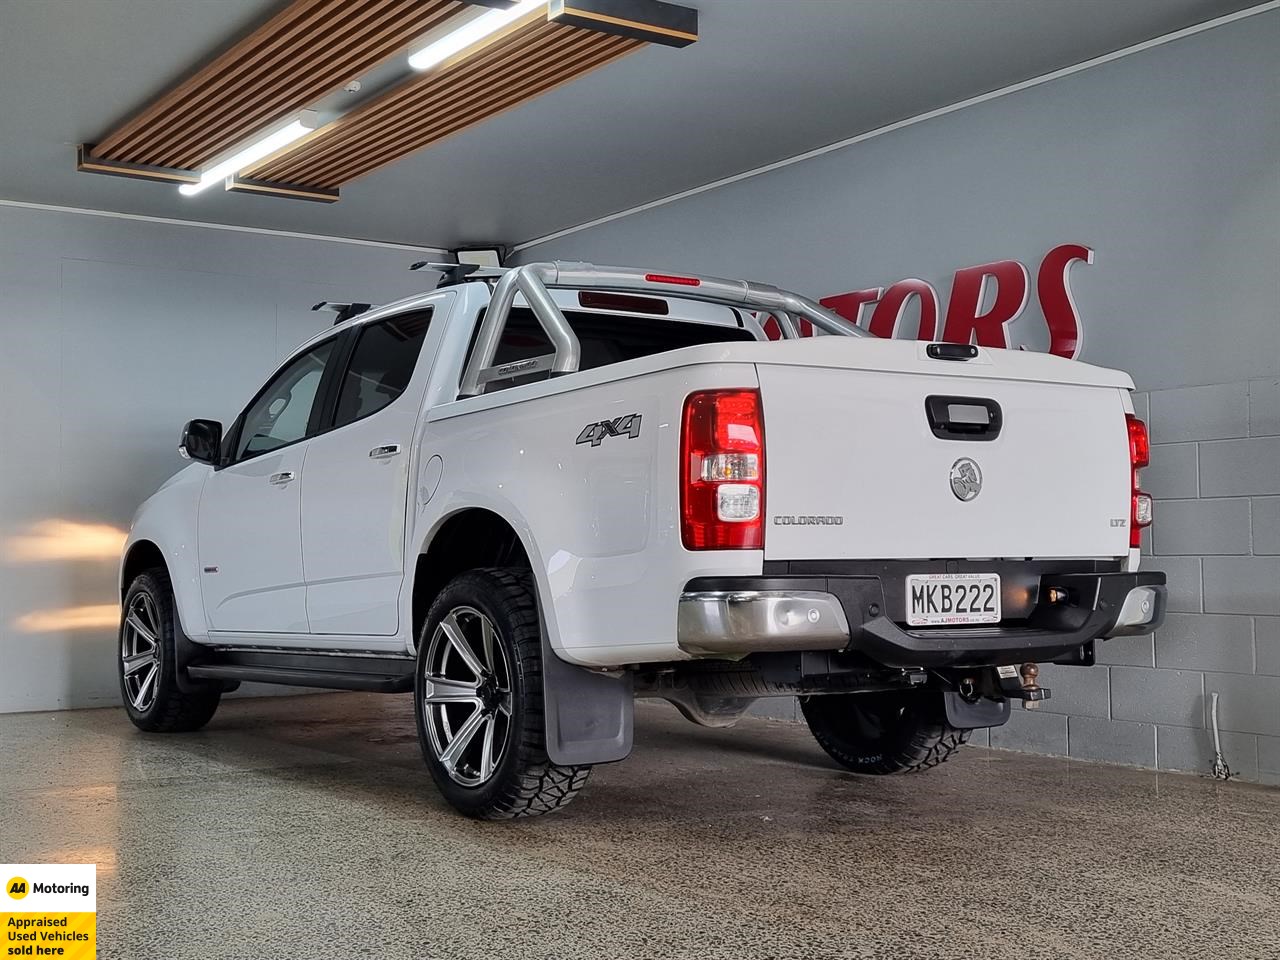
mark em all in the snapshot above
pixel 202 441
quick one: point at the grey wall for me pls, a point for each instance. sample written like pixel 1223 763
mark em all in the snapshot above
pixel 114 333
pixel 1167 163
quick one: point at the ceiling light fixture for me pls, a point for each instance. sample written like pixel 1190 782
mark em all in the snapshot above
pixel 470 34
pixel 264 146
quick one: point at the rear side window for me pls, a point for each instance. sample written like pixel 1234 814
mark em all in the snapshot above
pixel 381 366
pixel 606 339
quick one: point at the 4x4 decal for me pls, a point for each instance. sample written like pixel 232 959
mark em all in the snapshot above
pixel 625 426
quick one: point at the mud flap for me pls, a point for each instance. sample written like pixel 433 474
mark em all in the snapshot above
pixel 186 652
pixel 969 716
pixel 588 713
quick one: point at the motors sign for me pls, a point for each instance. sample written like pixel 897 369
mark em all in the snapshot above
pixel 984 300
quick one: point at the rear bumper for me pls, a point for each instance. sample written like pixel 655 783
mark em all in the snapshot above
pixel 864 614
pixel 749 620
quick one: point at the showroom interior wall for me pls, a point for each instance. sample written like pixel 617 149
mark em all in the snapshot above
pixel 1166 162
pixel 117 331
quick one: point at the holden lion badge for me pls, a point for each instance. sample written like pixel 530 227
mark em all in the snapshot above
pixel 966 479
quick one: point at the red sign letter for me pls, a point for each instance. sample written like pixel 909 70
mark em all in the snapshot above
pixel 1066 338
pixel 888 313
pixel 964 325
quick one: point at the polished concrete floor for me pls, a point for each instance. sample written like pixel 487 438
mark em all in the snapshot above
pixel 306 827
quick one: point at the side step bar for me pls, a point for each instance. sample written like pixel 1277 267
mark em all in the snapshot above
pixel 375 674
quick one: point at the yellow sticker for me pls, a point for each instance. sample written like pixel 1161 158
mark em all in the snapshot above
pixel 52 910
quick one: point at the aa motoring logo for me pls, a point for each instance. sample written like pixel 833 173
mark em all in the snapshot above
pixel 19 887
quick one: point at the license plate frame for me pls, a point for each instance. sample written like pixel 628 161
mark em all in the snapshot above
pixel 952 599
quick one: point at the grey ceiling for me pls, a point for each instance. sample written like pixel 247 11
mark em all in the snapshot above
pixel 769 79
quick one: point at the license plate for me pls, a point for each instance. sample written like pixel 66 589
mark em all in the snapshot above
pixel 952 598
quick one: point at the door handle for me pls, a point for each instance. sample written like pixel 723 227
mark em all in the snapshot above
pixel 385 451
pixel 280 479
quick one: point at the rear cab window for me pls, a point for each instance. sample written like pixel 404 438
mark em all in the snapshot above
pixel 606 338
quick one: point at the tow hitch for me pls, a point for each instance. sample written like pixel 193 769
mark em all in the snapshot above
pixel 1019 683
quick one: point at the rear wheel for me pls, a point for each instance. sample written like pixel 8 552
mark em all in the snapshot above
pixel 147 663
pixel 478 700
pixel 883 732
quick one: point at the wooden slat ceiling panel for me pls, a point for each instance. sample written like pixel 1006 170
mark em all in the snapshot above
pixel 306 52
pixel 526 62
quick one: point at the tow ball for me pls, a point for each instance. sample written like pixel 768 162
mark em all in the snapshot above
pixel 1019 683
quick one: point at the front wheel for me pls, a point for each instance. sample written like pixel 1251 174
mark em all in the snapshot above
pixel 478 700
pixel 147 662
pixel 883 732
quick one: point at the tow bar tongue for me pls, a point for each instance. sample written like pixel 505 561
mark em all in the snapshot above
pixel 1019 683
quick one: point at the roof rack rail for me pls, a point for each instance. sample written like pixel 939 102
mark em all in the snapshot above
pixel 532 280
pixel 345 311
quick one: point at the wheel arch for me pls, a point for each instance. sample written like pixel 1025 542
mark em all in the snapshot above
pixel 141 555
pixel 588 713
pixel 464 539
pixel 146 549
pixel 165 533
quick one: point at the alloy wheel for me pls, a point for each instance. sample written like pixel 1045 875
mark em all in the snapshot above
pixel 466 696
pixel 140 652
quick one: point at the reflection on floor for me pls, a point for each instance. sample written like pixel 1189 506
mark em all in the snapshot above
pixel 307 827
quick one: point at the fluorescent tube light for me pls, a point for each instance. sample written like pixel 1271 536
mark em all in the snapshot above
pixel 296 129
pixel 470 33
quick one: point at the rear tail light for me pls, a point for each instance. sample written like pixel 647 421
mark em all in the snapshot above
pixel 722 471
pixel 1140 514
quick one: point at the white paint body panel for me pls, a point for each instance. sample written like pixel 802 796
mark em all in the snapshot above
pixel 354 509
pixel 168 519
pixel 1054 481
pixel 353 516
pixel 250 530
pixel 845 434
pixel 600 524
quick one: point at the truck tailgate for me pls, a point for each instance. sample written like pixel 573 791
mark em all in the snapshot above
pixel 855 468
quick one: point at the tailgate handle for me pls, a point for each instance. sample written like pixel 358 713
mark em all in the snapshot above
pixel 963 418
pixel 951 351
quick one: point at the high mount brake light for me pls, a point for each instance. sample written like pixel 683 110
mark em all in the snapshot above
pixel 668 278
pixel 722 471
pixel 1140 511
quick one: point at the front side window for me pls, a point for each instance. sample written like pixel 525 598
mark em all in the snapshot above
pixel 381 365
pixel 282 412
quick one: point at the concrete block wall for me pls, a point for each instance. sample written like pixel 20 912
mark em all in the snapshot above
pixel 1215 475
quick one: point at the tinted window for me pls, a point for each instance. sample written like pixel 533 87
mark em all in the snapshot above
pixel 605 339
pixel 381 365
pixel 282 412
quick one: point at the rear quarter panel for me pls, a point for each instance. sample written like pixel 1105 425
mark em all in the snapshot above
pixel 600 522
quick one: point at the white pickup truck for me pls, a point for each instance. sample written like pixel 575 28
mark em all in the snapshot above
pixel 532 495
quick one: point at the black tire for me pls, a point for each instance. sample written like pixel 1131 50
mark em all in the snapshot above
pixel 883 732
pixel 520 780
pixel 163 707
